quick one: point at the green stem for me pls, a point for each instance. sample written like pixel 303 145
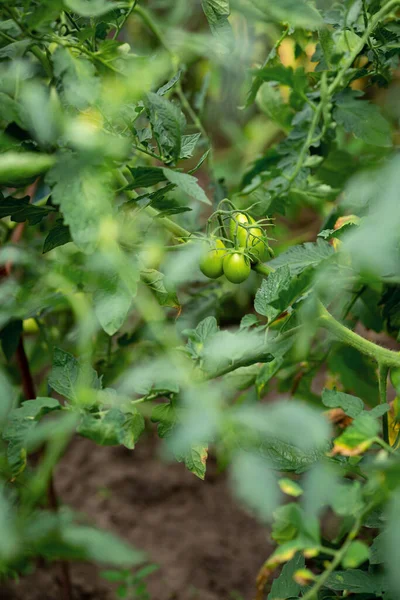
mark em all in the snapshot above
pixel 382 356
pixel 382 379
pixel 337 82
pixel 312 593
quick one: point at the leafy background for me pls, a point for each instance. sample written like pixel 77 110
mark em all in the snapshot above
pixel 123 127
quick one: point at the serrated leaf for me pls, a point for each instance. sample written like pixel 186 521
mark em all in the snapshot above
pixel 156 282
pixel 80 86
pixel 285 586
pixel 195 459
pixel 358 437
pixel 165 415
pixel 217 13
pixel 104 429
pixel 167 122
pixel 305 255
pixel 351 405
pixel 363 119
pixel 356 581
pixel 58 236
pixel 20 210
pixel 189 144
pixel 112 302
pixel 131 429
pixel 187 183
pixel 146 176
pixel 66 373
pixel 84 196
pixel 21 421
pixel 280 290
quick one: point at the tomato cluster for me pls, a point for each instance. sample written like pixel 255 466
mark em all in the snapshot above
pixel 247 244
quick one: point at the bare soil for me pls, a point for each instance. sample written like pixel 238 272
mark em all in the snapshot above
pixel 207 547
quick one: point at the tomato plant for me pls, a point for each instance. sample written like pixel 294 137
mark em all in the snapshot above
pixel 142 146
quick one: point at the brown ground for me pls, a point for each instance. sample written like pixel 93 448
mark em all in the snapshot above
pixel 206 546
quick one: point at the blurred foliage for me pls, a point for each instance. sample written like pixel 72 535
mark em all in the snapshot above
pixel 124 127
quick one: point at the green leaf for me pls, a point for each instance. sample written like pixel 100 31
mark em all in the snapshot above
pixel 280 290
pixel 351 405
pixel 20 167
pixel 187 183
pixel 57 236
pixel 103 429
pixel 356 554
pixel 156 282
pixel 358 437
pixel 20 210
pixel 131 429
pixel 21 421
pixel 189 144
pixel 66 372
pixel 356 581
pixel 298 258
pixel 363 119
pixel 287 457
pixel 93 8
pixel 377 549
pixel 9 110
pixel 217 13
pixel 170 84
pixel 270 101
pixel 254 483
pixel 100 546
pixel 9 337
pixel 112 302
pixel 195 459
pixel 164 414
pixel 9 539
pixel 146 176
pixel 284 586
pixel 167 122
pixel 80 86
pixel 391 543
pixel 84 196
pixel 297 13
pixel 290 487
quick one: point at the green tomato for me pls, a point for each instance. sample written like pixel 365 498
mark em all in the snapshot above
pixel 252 238
pixel 236 267
pixel 211 263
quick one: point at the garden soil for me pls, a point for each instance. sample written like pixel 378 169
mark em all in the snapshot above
pixel 207 547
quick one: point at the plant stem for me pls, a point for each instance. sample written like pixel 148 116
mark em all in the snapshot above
pixel 382 379
pixel 337 82
pixel 28 387
pixel 382 356
pixel 312 593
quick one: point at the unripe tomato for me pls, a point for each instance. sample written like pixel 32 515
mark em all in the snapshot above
pixel 236 267
pixel 211 264
pixel 252 238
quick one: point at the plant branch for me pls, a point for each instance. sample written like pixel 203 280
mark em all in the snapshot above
pixel 382 356
pixel 312 593
pixel 382 379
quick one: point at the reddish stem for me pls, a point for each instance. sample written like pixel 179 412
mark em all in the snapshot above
pixel 28 387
